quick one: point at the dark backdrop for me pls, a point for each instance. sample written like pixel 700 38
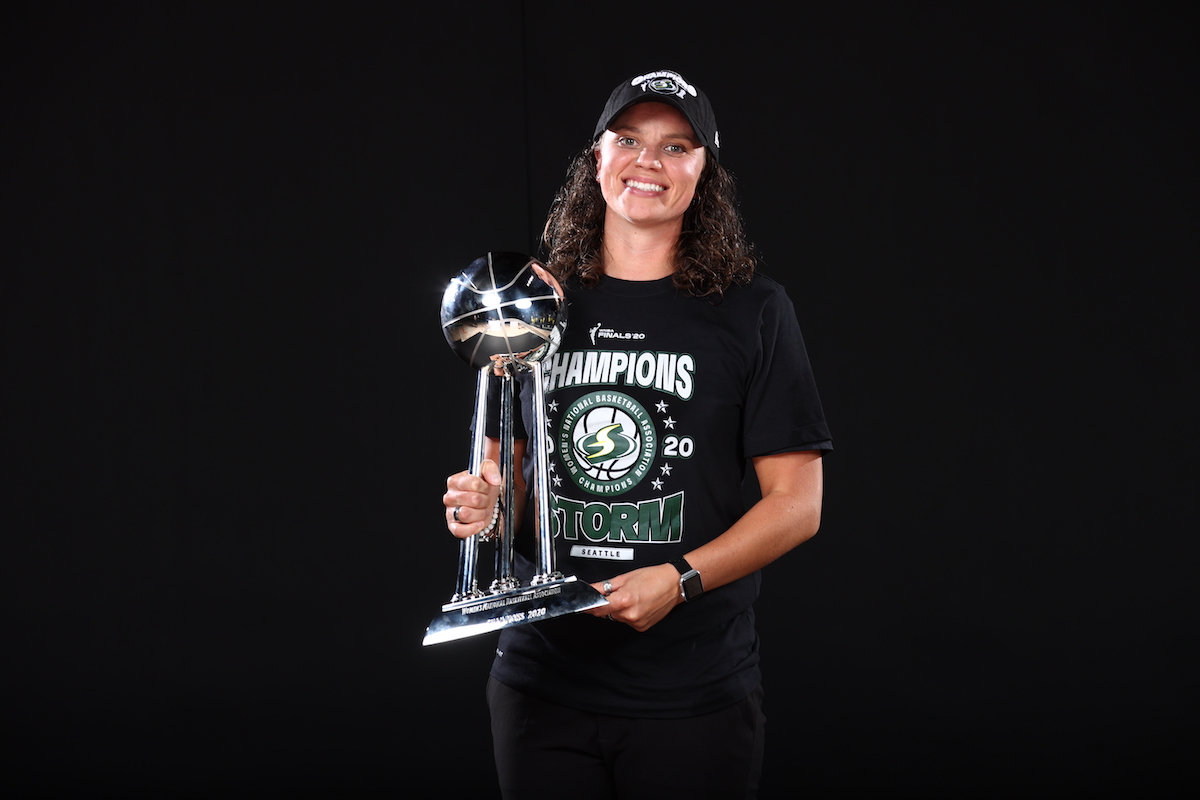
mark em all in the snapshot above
pixel 230 411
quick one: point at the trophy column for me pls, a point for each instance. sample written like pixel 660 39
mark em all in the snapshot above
pixel 468 549
pixel 544 564
pixel 505 579
pixel 505 314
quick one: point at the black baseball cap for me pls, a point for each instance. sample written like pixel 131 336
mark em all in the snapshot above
pixel 667 87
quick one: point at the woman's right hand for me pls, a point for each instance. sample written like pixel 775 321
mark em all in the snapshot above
pixel 470 500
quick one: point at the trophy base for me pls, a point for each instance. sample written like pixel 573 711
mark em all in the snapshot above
pixel 515 607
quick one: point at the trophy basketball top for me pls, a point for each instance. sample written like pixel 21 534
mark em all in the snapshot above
pixel 499 309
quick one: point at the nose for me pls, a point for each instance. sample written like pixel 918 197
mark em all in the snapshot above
pixel 649 158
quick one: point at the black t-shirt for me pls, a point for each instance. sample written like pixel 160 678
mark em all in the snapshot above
pixel 655 399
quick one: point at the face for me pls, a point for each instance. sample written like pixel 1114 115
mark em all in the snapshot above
pixel 648 163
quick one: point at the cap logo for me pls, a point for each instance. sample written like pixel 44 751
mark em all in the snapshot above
pixel 665 82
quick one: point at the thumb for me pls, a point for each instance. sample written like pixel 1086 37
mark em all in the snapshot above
pixel 490 471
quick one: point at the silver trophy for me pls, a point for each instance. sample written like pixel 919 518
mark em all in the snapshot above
pixel 505 314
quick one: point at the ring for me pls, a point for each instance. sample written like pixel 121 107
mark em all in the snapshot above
pixel 456 510
pixel 608 588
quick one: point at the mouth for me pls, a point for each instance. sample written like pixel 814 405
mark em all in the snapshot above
pixel 645 187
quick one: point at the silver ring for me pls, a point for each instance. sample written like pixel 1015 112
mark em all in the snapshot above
pixel 608 589
pixel 456 510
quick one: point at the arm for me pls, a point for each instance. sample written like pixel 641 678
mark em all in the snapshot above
pixel 788 513
pixel 475 495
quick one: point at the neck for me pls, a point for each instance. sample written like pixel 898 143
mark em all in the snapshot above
pixel 634 254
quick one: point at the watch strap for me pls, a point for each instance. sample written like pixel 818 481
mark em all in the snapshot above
pixel 690 584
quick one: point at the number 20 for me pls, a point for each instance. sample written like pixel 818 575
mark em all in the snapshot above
pixel 678 447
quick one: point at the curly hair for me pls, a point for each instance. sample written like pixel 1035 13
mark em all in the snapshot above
pixel 712 253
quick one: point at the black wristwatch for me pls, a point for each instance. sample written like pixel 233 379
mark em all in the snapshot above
pixel 690 585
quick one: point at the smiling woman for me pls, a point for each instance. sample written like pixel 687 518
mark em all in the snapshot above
pixel 648 164
pixel 648 447
pixel 710 253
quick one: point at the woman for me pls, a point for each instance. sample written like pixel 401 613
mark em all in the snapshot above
pixel 678 364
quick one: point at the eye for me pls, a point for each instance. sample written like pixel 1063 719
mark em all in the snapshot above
pixel 675 149
pixel 626 141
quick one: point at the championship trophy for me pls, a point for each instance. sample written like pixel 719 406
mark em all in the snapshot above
pixel 503 315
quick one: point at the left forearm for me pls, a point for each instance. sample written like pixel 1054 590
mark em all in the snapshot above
pixel 788 514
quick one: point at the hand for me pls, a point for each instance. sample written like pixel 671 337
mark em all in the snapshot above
pixel 640 598
pixel 473 497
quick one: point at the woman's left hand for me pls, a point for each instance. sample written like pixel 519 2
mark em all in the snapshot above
pixel 640 598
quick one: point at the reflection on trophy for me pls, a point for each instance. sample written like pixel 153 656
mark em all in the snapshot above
pixel 505 314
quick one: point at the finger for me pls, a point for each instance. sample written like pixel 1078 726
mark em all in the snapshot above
pixel 459 528
pixel 469 491
pixel 601 612
pixel 467 525
pixel 607 587
pixel 490 472
pixel 468 515
pixel 462 501
pixel 466 482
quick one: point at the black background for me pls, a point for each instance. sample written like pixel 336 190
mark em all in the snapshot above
pixel 230 410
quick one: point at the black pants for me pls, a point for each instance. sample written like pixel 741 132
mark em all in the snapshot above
pixel 544 750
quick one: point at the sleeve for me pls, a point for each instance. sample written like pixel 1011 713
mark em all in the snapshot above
pixel 495 386
pixel 783 411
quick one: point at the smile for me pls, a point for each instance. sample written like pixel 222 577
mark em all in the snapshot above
pixel 645 187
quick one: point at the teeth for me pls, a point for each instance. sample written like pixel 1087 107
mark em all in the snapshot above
pixel 646 187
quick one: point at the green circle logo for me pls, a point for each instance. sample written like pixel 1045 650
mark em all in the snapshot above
pixel 607 442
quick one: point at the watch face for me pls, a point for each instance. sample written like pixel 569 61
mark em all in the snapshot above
pixel 691 585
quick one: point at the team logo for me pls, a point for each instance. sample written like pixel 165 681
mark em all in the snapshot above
pixel 664 82
pixel 607 442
